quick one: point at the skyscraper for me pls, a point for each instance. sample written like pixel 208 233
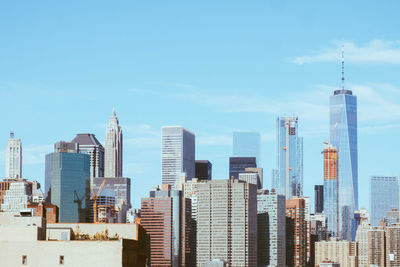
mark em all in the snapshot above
pixel 67 181
pixel 88 144
pixel 203 170
pixel 319 198
pixel 113 148
pixel 290 158
pixel 331 190
pixel 13 157
pixel 384 196
pixel 227 222
pixel 166 216
pixel 271 209
pixel 296 232
pixel 343 136
pixel 239 164
pixel 247 144
pixel 177 155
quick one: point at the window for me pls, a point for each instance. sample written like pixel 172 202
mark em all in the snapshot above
pixel 61 259
pixel 24 260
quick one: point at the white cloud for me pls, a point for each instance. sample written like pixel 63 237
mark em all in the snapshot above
pixel 376 51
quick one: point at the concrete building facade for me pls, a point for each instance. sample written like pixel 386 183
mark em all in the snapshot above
pixel 113 148
pixel 226 223
pixel 13 157
pixel 296 232
pixel 342 252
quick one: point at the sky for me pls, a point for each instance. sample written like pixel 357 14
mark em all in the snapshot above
pixel 213 67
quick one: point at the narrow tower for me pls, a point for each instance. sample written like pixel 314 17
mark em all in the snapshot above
pixel 113 148
pixel 14 157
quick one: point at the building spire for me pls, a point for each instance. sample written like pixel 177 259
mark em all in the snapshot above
pixel 342 67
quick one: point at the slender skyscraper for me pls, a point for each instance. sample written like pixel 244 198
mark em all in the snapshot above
pixel 13 157
pixel 290 158
pixel 113 148
pixel 343 136
pixel 331 197
pixel 177 155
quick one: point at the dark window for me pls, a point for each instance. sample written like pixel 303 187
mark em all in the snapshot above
pixel 24 260
pixel 61 259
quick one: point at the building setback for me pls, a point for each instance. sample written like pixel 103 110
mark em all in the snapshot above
pixel 166 216
pixel 296 232
pixel 13 157
pixel 113 148
pixel 271 224
pixel 227 226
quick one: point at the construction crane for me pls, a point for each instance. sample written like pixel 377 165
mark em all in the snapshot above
pixel 95 197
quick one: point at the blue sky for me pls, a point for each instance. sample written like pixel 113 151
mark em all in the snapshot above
pixel 212 66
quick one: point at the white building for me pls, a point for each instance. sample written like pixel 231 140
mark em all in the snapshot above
pixel 16 198
pixel 177 154
pixel 113 148
pixel 227 223
pixel 271 210
pixel 249 177
pixel 13 157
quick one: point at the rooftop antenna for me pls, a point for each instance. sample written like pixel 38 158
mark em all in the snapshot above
pixel 11 134
pixel 343 67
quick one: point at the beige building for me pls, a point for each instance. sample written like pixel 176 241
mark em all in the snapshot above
pixel 393 245
pixel 342 252
pixel 24 241
pixel 227 223
pixel 376 247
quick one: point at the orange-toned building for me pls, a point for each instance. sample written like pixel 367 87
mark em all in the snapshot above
pixel 296 233
pixel 331 189
pixel 166 217
pixel 45 210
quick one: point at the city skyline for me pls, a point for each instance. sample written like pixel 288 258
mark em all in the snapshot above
pixel 213 92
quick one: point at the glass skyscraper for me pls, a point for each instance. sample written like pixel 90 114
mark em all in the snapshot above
pixel 330 189
pixel 290 158
pixel 343 136
pixel 247 144
pixel 177 155
pixel 67 181
pixel 384 196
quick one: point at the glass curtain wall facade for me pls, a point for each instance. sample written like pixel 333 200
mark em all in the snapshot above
pixel 384 196
pixel 331 197
pixel 343 136
pixel 67 181
pixel 177 155
pixel 290 158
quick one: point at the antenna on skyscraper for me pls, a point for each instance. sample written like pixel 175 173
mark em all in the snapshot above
pixel 342 67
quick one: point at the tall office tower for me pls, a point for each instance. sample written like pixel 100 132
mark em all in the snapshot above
pixel 88 144
pixel 290 157
pixel 384 196
pixel 376 247
pixel 391 217
pixel 166 219
pixel 177 154
pixel 331 189
pixel 13 157
pixel 271 223
pixel 67 181
pixel 113 148
pixel 17 197
pixel 362 241
pixel 343 252
pixel 247 144
pixel 191 191
pixel 296 232
pixel 343 136
pixel 227 222
pixel 275 179
pixel 203 170
pixel 392 239
pixel 239 164
pixel 319 198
